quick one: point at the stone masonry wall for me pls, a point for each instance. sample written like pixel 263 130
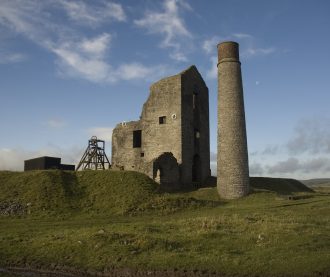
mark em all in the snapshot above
pixel 164 101
pixel 124 156
pixel 195 127
pixel 233 170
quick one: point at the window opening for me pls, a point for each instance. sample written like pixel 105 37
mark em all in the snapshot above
pixel 195 94
pixel 162 120
pixel 197 134
pixel 137 138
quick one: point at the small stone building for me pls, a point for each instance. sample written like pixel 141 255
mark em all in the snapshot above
pixel 170 142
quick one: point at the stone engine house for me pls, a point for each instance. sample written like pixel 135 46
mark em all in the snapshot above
pixel 171 141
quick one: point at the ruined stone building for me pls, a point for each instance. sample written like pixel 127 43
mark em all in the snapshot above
pixel 170 142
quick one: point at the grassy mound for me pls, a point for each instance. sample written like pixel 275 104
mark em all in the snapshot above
pixel 115 192
pixel 278 185
pixel 59 192
pixel 39 190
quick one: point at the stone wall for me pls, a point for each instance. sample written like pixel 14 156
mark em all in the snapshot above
pixel 174 120
pixel 124 155
pixel 195 125
pixel 164 101
pixel 233 167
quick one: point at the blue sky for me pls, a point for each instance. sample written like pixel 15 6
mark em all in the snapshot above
pixel 73 69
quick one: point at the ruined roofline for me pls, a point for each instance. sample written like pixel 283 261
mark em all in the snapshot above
pixel 193 68
pixel 190 68
pixel 128 123
pixel 152 91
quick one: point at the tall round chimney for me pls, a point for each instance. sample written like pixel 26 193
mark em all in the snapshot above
pixel 233 165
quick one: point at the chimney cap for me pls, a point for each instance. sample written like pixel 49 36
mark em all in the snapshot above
pixel 228 50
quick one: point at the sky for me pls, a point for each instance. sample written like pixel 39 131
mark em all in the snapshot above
pixel 73 69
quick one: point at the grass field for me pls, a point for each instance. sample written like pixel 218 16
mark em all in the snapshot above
pixel 99 221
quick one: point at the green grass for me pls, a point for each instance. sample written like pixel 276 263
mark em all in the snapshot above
pixel 100 220
pixel 56 192
pixel 325 182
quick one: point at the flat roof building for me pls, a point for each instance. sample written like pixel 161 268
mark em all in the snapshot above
pixel 45 162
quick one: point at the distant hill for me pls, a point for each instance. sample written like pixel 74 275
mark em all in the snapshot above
pixel 322 182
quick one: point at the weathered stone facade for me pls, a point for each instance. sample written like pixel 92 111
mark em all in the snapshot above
pixel 233 167
pixel 170 142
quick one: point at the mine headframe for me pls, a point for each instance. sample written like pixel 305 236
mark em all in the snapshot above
pixel 94 157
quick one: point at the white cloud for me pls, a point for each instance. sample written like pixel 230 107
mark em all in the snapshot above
pixel 85 14
pixel 178 56
pixel 76 55
pixel 213 156
pixel 96 46
pixel 294 166
pixel 242 36
pixel 134 71
pixel 271 150
pixel 170 25
pixel 56 123
pixel 102 133
pixel 290 165
pixel 256 169
pixel 75 61
pixel 213 167
pixel 85 58
pixel 93 66
pixel 13 159
pixel 311 136
pixel 251 51
pixel 210 45
pixel 318 167
pixel 19 16
pixel 7 58
pixel 212 73
pixel 301 156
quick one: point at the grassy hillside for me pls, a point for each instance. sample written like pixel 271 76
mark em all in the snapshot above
pixel 279 185
pixel 324 182
pixel 59 192
pixel 119 222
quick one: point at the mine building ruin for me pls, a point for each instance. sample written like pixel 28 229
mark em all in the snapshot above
pixel 171 141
